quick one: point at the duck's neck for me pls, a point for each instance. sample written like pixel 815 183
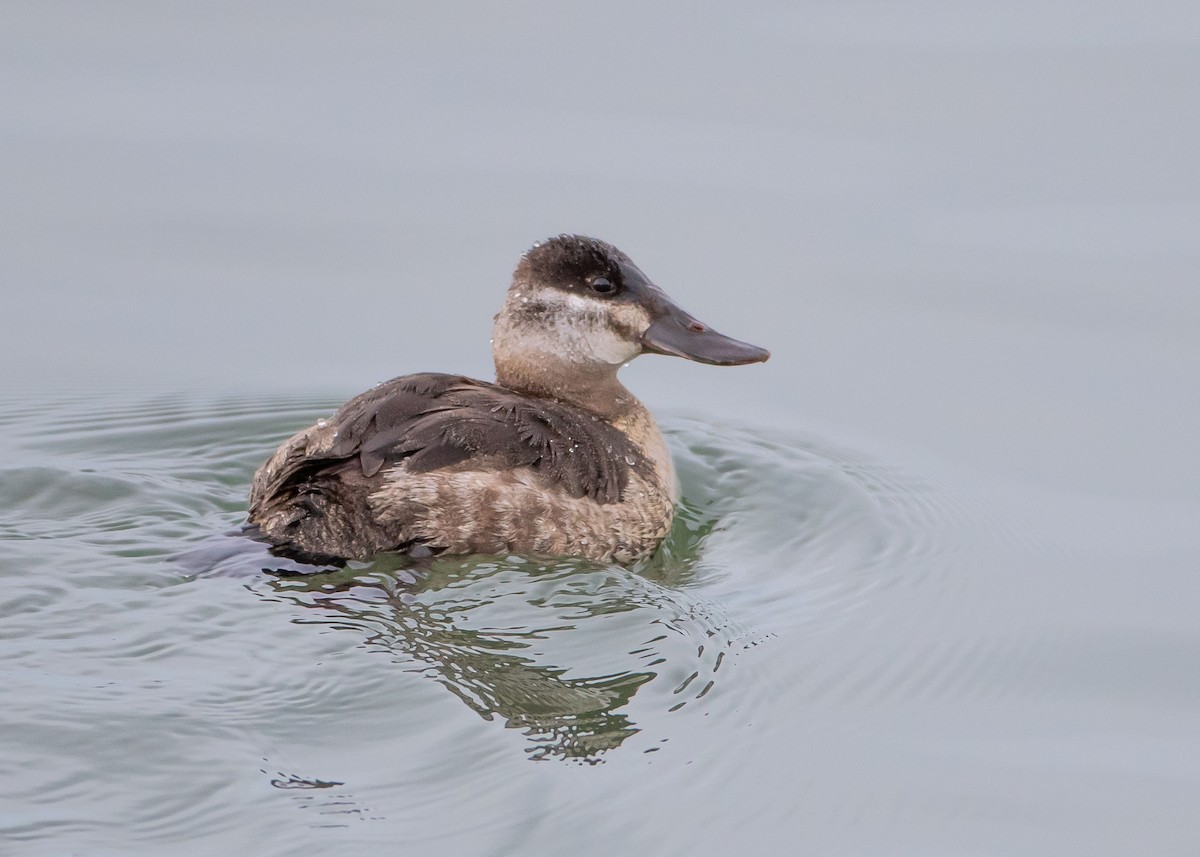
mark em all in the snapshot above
pixel 595 388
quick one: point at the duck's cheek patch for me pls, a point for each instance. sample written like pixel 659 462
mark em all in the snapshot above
pixel 620 338
pixel 608 347
pixel 593 331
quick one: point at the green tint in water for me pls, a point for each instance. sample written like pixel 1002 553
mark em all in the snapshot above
pixel 500 633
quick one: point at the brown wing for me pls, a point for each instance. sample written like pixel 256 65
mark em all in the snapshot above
pixel 436 421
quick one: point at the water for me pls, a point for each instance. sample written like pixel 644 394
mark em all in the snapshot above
pixel 932 589
pixel 169 687
pixel 824 639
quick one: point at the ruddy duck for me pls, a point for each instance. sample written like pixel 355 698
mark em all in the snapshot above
pixel 556 458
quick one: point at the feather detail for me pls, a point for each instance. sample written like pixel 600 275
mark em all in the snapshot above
pixel 433 421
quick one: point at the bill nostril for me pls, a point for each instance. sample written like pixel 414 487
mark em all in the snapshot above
pixel 697 327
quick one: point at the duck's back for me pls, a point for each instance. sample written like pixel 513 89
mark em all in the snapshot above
pixel 462 466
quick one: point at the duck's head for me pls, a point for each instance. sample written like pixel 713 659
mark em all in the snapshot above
pixel 578 308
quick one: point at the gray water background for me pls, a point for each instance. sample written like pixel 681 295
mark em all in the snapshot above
pixel 948 537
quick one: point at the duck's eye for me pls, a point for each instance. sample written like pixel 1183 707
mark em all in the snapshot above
pixel 602 285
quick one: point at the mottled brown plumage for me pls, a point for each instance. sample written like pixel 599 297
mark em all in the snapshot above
pixel 558 458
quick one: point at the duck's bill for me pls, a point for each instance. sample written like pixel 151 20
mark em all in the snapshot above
pixel 675 332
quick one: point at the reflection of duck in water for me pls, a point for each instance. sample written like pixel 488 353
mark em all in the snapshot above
pixel 557 458
pixel 496 671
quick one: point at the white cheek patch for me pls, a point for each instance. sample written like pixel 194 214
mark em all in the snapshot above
pixel 610 348
pixel 582 330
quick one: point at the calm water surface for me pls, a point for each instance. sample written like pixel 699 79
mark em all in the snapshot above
pixel 825 642
pixel 933 587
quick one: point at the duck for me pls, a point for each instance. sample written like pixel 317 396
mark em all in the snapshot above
pixel 556 458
